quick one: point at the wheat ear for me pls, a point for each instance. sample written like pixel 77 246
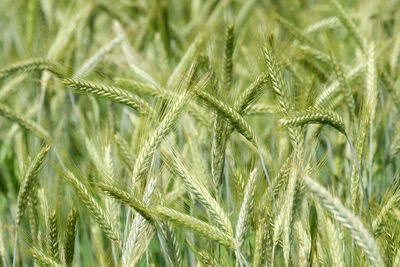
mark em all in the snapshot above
pixel 172 245
pixel 99 214
pixel 70 232
pixel 220 126
pixel 392 199
pixel 146 153
pixel 53 236
pixel 229 113
pixel 196 225
pixel 127 199
pixel 295 32
pixel 278 86
pixel 360 234
pixel 28 183
pixel 109 92
pixel 338 67
pixel 246 209
pixel 331 22
pixel 315 115
pixel 28 124
pixel 196 187
pixel 44 259
pixel 31 65
pixel 3 253
pixel 349 24
pixel 326 95
pixel 391 88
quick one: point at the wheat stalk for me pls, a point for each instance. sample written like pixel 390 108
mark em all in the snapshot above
pixel 28 183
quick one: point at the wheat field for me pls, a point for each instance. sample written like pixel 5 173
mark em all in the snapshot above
pixel 199 133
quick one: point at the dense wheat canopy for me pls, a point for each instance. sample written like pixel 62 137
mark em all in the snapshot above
pixel 199 133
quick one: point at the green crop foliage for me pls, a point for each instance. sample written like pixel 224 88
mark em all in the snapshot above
pixel 199 133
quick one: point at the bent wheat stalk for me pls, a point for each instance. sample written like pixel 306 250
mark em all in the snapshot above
pixel 315 115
